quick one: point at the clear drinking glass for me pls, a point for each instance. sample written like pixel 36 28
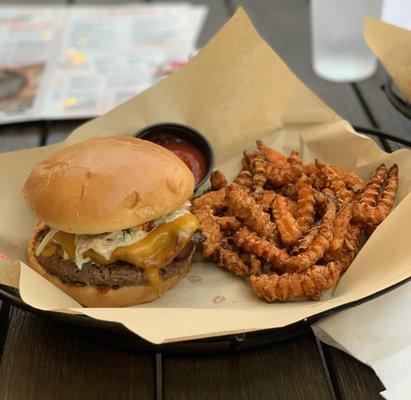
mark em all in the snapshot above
pixel 339 51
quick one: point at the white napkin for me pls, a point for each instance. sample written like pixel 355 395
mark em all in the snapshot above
pixel 378 333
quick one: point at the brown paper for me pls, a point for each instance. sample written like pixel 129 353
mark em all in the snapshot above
pixel 392 46
pixel 234 91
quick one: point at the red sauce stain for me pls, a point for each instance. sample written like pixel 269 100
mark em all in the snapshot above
pixel 194 279
pixel 219 299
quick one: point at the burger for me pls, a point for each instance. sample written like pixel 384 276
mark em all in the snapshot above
pixel 115 227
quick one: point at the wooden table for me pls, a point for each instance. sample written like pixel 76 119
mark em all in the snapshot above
pixel 43 360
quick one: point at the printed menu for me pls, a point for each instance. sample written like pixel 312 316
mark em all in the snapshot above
pixel 61 62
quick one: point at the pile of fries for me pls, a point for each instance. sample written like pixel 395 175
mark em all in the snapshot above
pixel 291 229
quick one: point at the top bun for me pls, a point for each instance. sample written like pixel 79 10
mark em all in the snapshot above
pixel 107 183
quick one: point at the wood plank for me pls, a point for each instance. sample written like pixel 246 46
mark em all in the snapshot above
pixel 218 13
pixel 287 370
pixel 4 324
pixel 352 380
pixel 19 136
pixel 285 26
pixel 386 117
pixel 43 360
pixel 59 130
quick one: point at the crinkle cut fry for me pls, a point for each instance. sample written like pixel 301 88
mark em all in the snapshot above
pixel 340 230
pixel 228 223
pixel 241 204
pixel 305 241
pixel 244 179
pixel 214 200
pixel 374 187
pixel 280 176
pixel 373 216
pixel 311 282
pixel 253 263
pixel 319 245
pixel 351 179
pixel 305 204
pixel 334 182
pixel 262 248
pixel 272 155
pixel 217 180
pixel 210 229
pixel 351 247
pixel 310 169
pixel 290 191
pixel 264 198
pixel 286 224
pixel 204 208
pixel 228 259
pixel 257 167
pixel 246 161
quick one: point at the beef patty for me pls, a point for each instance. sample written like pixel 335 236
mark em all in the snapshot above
pixel 115 275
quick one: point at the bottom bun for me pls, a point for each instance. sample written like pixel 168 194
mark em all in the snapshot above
pixel 93 296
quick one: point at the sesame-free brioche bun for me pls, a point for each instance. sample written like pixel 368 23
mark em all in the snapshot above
pixel 107 183
pixel 93 296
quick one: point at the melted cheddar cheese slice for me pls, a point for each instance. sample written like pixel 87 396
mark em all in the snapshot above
pixel 152 253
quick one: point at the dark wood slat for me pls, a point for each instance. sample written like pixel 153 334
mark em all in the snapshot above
pixel 288 370
pixel 19 136
pixel 352 380
pixel 43 360
pixel 4 324
pixel 387 118
pixel 59 130
pixel 218 14
pixel 32 2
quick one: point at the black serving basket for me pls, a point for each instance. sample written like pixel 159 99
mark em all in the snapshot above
pixel 115 334
pixel 396 98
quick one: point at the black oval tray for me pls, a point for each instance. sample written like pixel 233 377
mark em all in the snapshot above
pixel 115 334
pixel 396 98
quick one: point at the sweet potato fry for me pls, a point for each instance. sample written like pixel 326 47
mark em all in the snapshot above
pixel 305 241
pixel 373 216
pixel 351 179
pixel 210 229
pixel 334 182
pixel 217 180
pixel 228 223
pixel 257 168
pixel 305 204
pixel 286 224
pixel 290 191
pixel 319 245
pixel 311 282
pixel 261 247
pixel 253 263
pixel 271 155
pixel 241 204
pixel 350 247
pixel 228 259
pixel 214 200
pixel 244 179
pixel 340 230
pixel 374 187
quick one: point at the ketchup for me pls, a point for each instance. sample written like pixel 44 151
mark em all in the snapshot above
pixel 191 155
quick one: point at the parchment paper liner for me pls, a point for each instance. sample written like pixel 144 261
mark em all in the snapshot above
pixel 392 46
